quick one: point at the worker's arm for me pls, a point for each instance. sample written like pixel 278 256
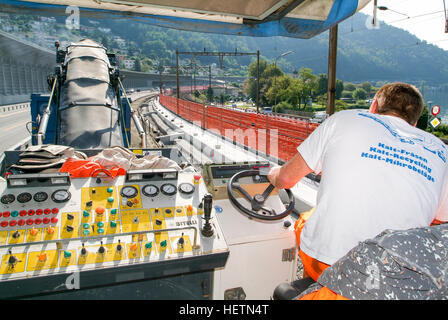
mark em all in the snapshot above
pixel 290 173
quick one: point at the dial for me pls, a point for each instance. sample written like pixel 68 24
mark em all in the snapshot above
pixel 186 188
pixel 40 196
pixel 24 197
pixel 8 198
pixel 168 189
pixel 150 190
pixel 60 195
pixel 129 192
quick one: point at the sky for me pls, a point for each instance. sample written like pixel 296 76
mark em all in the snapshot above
pixel 423 18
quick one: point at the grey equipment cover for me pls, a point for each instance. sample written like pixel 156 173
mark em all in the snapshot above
pixel 89 111
pixel 395 265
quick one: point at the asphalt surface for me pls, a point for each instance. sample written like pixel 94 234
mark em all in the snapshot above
pixel 12 128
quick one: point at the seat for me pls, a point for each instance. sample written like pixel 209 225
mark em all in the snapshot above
pixel 288 291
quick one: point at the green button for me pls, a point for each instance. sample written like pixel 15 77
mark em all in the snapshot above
pixel 110 189
pixel 113 211
pixel 100 224
pixel 100 231
pixel 110 199
pixel 86 213
pixel 148 245
pixel 67 254
pixel 86 232
pixel 14 213
pixel 163 243
pixel 85 226
pixel 113 224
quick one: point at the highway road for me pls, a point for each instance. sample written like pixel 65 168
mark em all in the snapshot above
pixel 12 128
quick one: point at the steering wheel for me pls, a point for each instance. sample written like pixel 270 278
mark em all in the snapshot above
pixel 258 200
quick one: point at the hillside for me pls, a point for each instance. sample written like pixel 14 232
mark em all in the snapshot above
pixel 386 54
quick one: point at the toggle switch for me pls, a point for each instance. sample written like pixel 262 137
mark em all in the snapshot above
pixel 69 228
pixel 50 230
pixel 101 250
pixel 119 246
pixel 70 217
pixel 34 231
pixel 16 234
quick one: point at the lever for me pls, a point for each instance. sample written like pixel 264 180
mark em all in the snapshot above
pixel 207 230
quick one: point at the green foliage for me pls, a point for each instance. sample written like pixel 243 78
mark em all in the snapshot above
pixel 359 94
pixel 422 122
pixel 349 87
pixel 339 89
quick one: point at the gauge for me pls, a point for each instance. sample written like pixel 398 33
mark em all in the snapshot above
pixel 8 198
pixel 168 189
pixel 186 188
pixel 40 196
pixel 129 192
pixel 150 190
pixel 60 195
pixel 24 197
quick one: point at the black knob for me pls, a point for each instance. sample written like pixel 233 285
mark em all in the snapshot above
pixel 119 247
pixel 16 235
pixel 181 241
pixel 70 228
pixel 83 251
pixel 70 216
pixel 89 203
pixel 12 260
pixel 208 201
pixel 101 250
pixel 159 222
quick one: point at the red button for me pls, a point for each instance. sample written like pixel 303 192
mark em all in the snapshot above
pixel 29 222
pixel 197 177
pixel 55 210
pixel 39 212
pixel 22 213
pixel 47 211
pixel 31 212
pixel 0 214
pixel 21 222
pixel 6 214
pixel 54 220
pixel 12 223
pixel 38 221
pixel 46 220
pixel 4 224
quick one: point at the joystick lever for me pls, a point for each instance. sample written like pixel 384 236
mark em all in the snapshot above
pixel 207 230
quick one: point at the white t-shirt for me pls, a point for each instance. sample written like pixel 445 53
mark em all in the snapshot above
pixel 378 173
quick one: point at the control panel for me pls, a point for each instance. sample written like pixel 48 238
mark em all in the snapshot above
pixel 51 224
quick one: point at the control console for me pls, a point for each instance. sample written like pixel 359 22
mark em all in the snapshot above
pixel 148 223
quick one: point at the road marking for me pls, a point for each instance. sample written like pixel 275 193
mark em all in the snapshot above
pixel 13 113
pixel 15 126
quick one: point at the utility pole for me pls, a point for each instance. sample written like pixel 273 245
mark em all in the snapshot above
pixel 177 80
pixel 257 102
pixel 332 54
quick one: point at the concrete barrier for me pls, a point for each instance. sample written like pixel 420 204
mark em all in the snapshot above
pixel 14 107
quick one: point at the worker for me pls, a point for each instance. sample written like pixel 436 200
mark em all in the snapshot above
pixel 378 172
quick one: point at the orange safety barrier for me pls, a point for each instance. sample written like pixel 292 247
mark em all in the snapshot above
pixel 274 135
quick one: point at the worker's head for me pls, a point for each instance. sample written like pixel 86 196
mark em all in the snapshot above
pixel 399 99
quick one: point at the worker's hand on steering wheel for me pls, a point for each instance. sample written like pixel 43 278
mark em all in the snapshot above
pixel 273 174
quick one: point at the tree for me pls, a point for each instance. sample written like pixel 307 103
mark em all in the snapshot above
pixel 359 94
pixel 349 86
pixel 367 87
pixel 322 84
pixel 137 65
pixel 339 88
